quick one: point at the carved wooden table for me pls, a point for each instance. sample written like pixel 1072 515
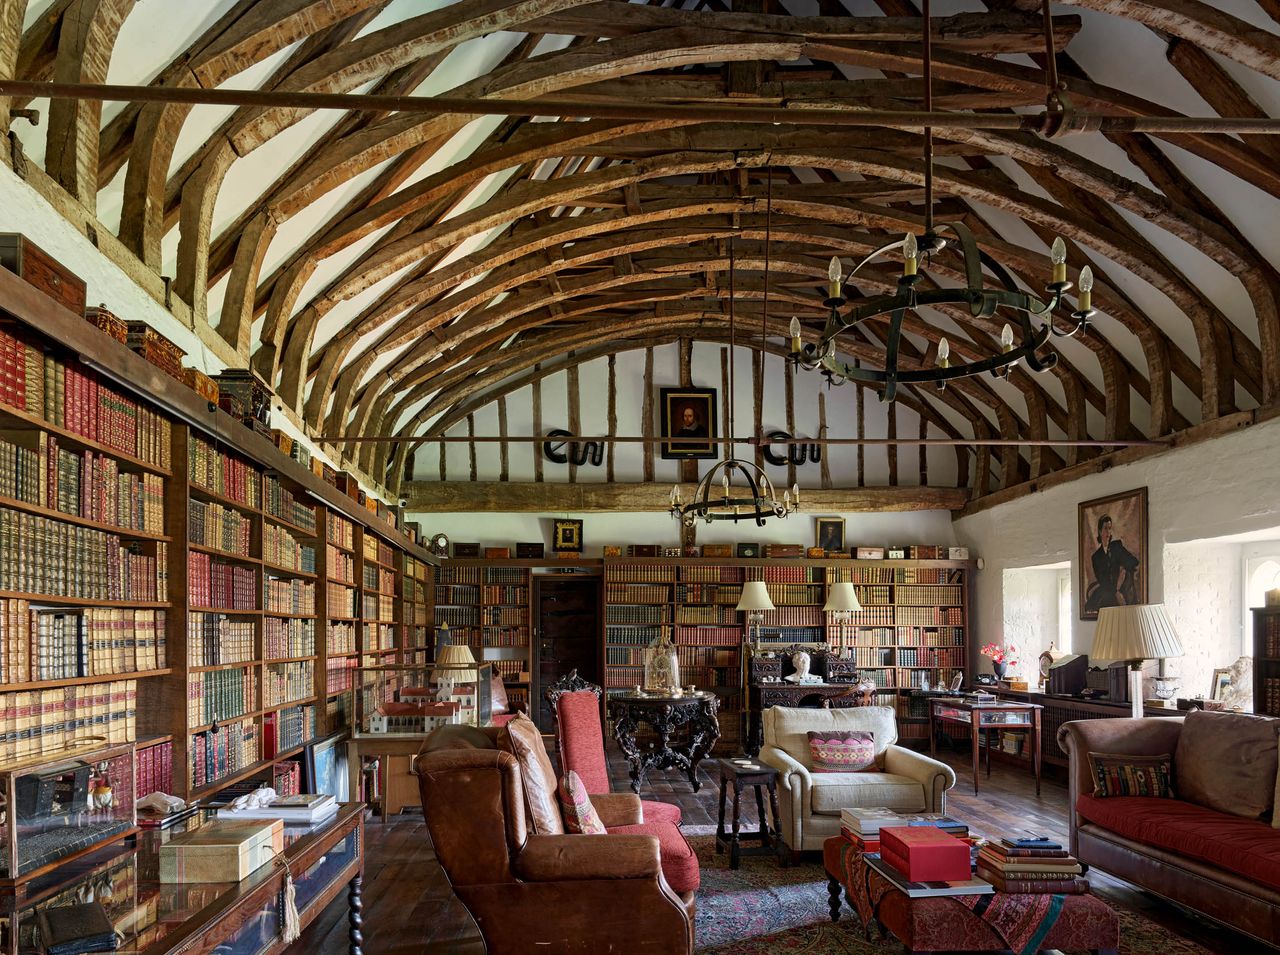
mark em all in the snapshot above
pixel 665 715
pixel 740 773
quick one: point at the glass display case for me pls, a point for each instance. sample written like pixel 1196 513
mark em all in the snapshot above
pixel 987 714
pixel 400 699
pixel 63 805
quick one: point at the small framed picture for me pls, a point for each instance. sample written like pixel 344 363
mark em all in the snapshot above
pixel 829 532
pixel 568 536
pixel 688 414
pixel 1221 680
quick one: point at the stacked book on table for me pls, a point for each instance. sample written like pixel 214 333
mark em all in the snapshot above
pixel 1035 865
pixel 921 855
pixel 862 826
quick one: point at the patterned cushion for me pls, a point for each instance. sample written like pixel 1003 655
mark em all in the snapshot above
pixel 842 751
pixel 1115 774
pixel 575 804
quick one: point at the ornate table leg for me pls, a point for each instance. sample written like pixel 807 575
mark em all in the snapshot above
pixel 624 733
pixel 765 837
pixel 720 833
pixel 833 897
pixel 734 844
pixel 784 854
pixel 704 732
pixel 355 915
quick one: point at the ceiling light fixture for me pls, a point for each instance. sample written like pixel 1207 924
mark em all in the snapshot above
pixel 1033 318
pixel 715 498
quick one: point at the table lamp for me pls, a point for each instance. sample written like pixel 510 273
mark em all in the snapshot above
pixel 1133 634
pixel 455 656
pixel 755 601
pixel 842 601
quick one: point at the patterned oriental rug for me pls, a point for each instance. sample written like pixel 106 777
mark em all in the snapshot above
pixel 762 909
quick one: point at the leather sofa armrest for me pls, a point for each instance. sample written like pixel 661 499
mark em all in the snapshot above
pixel 578 858
pixel 618 809
pixel 936 777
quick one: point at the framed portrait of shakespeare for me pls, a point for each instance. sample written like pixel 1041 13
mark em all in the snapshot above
pixel 689 415
pixel 1113 552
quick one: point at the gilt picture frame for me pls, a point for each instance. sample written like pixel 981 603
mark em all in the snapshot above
pixel 1112 534
pixel 688 414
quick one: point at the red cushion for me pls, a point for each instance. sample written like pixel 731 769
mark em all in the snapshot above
pixel 582 739
pixel 655 811
pixel 1244 846
pixel 679 864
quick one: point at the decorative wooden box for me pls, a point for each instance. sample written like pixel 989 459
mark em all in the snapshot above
pixel 156 349
pixel 37 267
pixel 201 384
pixel 105 321
pixel 254 393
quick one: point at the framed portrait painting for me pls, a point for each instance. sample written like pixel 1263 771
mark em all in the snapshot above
pixel 1113 552
pixel 690 415
pixel 567 537
pixel 1221 681
pixel 829 534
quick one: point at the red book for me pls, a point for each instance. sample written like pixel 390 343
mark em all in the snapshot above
pixel 925 853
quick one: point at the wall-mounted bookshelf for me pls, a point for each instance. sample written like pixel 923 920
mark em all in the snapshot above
pixel 1266 660
pixel 487 605
pixel 164 570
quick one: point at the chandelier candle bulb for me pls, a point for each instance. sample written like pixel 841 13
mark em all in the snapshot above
pixel 1086 289
pixel 834 274
pixel 944 353
pixel 795 328
pixel 1058 256
pixel 910 254
pixel 1006 338
pixel 795 494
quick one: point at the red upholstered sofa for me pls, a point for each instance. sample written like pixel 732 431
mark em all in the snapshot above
pixel 1213 848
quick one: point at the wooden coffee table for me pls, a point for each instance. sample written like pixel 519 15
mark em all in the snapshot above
pixel 944 923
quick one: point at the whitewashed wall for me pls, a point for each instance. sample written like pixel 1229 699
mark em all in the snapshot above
pixel 1213 489
pixel 1203 592
pixel 1030 617
pixel 593 385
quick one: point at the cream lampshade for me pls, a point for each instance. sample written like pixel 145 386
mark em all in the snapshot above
pixel 842 598
pixel 755 596
pixel 1133 634
pixel 455 656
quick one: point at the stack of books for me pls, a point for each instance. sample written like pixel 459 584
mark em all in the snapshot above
pixel 304 808
pixel 862 826
pixel 1034 865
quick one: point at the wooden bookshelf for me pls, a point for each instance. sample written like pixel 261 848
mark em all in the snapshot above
pixel 913 626
pixel 488 606
pixel 259 521
pixel 1266 660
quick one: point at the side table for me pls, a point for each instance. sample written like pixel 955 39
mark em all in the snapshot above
pixel 760 777
pixel 665 715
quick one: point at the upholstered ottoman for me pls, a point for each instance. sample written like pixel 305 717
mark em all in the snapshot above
pixel 985 923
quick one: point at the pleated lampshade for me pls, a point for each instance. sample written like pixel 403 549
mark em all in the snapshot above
pixel 1138 632
pixel 842 597
pixel 755 596
pixel 455 655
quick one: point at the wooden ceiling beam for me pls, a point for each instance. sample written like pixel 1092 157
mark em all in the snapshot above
pixel 471 497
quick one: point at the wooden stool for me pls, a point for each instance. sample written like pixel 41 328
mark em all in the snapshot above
pixel 760 776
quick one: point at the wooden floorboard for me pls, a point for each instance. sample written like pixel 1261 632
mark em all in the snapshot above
pixel 409 907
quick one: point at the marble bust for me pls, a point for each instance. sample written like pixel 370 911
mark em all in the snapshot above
pixel 800 663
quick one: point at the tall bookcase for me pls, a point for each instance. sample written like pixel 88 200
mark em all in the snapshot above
pixel 487 605
pixel 416 611
pixel 164 571
pixel 1266 660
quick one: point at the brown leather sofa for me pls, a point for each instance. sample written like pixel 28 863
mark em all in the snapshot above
pixel 1213 861
pixel 543 893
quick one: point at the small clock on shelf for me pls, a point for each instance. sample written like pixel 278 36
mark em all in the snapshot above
pixel 440 545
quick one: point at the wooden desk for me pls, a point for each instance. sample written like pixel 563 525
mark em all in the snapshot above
pixel 401 747
pixel 199 918
pixel 981 719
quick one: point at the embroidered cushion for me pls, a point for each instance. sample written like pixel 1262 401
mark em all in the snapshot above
pixel 842 751
pixel 1115 774
pixel 575 805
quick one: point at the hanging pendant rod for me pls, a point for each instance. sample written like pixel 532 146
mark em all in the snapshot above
pixel 752 441
pixel 1046 121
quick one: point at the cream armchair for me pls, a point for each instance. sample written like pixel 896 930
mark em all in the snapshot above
pixel 811 802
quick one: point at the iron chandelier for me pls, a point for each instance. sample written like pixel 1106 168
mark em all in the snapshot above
pixel 1033 318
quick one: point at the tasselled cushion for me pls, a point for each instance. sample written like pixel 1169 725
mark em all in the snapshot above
pixel 1117 774
pixel 580 816
pixel 842 751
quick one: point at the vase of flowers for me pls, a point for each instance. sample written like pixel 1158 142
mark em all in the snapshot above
pixel 1001 658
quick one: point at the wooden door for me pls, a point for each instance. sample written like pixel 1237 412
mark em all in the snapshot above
pixel 568 614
